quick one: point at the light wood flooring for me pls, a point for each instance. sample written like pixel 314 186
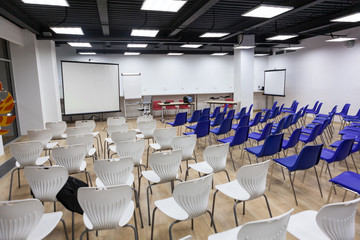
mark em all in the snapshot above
pixel 280 198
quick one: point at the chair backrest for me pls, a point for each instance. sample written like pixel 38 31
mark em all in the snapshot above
pixel 274 113
pixel 216 155
pixel 343 150
pixel 42 135
pixel 356 147
pixel 57 128
pixel 267 229
pixel 26 153
pixel 71 157
pixel 202 129
pixel 294 108
pixel 323 126
pixel 180 118
pixel 337 220
pixel 315 105
pixel 293 104
pixel 244 121
pixel 280 109
pixel 205 111
pixel 241 136
pixel 333 110
pixel 266 131
pixel 218 119
pixel 144 118
pixel 77 130
pixel 46 182
pixel 204 118
pixel 308 157
pixel 288 121
pixel 215 112
pixel 304 111
pixel 193 195
pixel 274 106
pixel 19 218
pixel 241 113
pixel 195 116
pixel 156 105
pixel 114 171
pixel 250 109
pixel 133 149
pixel 272 145
pixel 85 139
pixel 225 126
pixel 86 123
pixel 253 178
pixel 225 108
pixel 123 136
pixel 147 128
pixel 115 120
pixel 164 136
pixel 256 119
pixel 105 207
pixel 117 128
pixel 345 109
pixel 231 114
pixel 279 127
pixel 294 138
pixel 318 108
pixel 314 133
pixel 186 144
pixel 166 164
pixel 266 116
pixel 297 116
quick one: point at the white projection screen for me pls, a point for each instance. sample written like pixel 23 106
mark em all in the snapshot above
pixel 274 82
pixel 90 87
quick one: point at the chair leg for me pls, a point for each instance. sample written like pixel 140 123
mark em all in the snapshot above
pixel 271 175
pixel 317 178
pixel 227 175
pixel 267 204
pixel 88 174
pixel 11 181
pixel 332 187
pixel 235 215
pixel 352 157
pixel 232 159
pixel 19 177
pixel 65 230
pixel 72 226
pixel 135 231
pixel 148 202
pixel 212 220
pixel 82 234
pixel 172 224
pixel 138 205
pixel 213 205
pixel 292 186
pixel 153 223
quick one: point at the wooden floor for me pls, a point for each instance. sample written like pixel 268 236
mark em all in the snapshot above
pixel 280 198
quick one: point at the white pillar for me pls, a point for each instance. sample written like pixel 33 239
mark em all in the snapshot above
pixel 244 72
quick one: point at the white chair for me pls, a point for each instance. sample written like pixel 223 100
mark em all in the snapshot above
pixel 114 128
pixel 144 118
pixel 44 136
pixel 76 131
pixel 72 158
pixel 91 125
pixel 57 129
pixel 333 221
pixel 25 219
pixel 214 160
pixel 112 172
pixel 189 200
pixel 187 145
pixel 46 182
pixel 250 184
pixel 272 228
pixel 163 138
pixel 26 154
pixel 147 129
pixel 165 167
pixel 85 139
pixel 115 120
pixel 107 208
pixel 117 137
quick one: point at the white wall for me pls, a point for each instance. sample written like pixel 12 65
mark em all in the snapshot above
pixel 323 71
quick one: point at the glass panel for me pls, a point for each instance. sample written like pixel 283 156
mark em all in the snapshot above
pixel 3 50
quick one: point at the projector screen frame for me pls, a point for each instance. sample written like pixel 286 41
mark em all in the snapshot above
pixel 275 70
pixel 63 88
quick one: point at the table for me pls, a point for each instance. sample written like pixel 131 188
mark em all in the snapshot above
pixel 163 105
pixel 222 102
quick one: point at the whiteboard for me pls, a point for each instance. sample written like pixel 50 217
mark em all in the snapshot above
pixel 90 87
pixel 131 85
pixel 274 82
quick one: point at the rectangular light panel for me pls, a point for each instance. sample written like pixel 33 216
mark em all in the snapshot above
pixel 340 39
pixel 355 17
pixel 213 35
pixel 136 45
pixel 68 30
pixel 244 47
pixel 87 53
pixel 163 5
pixel 131 53
pixel 267 11
pixel 281 37
pixel 191 45
pixel 79 44
pixel 175 54
pixel 218 54
pixel 293 48
pixel 63 3
pixel 144 33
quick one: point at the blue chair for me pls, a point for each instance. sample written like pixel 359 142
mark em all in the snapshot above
pixel 215 113
pixel 293 106
pixel 312 109
pixel 225 108
pixel 224 128
pixel 292 141
pixel 296 118
pixel 272 108
pixel 180 119
pixel 279 126
pixel 271 146
pixel 344 111
pixel 202 130
pixel 322 128
pixel 244 122
pixel 219 118
pixel 263 135
pixel 201 119
pixel 355 148
pixel 274 114
pixel 231 114
pixel 265 117
pixel 256 120
pixel 287 122
pixel 280 110
pixel 240 114
pixel 194 117
pixel 322 116
pixel 205 111
pixel 316 111
pixel 250 109
pixel 309 157
pixel 311 137
pixel 349 181
pixel 240 137
pixel 341 153
pixel 303 114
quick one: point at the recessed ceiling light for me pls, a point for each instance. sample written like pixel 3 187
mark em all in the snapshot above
pixel 244 47
pixel 63 3
pixel 163 5
pixel 355 17
pixel 175 54
pixel 136 45
pixel 131 53
pixel 340 39
pixel 219 54
pixel 87 53
pixel 267 11
pixel 79 44
pixel 293 48
pixel 261 54
pixel 191 45
pixel 281 37
pixel 213 35
pixel 144 33
pixel 68 30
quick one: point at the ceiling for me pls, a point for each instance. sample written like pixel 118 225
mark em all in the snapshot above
pixel 107 24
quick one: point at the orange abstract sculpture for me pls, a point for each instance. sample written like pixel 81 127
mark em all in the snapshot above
pixel 6 106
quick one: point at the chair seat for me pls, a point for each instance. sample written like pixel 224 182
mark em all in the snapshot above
pixel 303 226
pixel 287 162
pixel 109 140
pixel 311 125
pixel 234 126
pixel 64 135
pixel 171 208
pixel 189 133
pixel 215 130
pixel 127 215
pixel 230 234
pixel 91 152
pixel 234 190
pixel 151 176
pixel 83 166
pixel 112 148
pixel 157 147
pixel 51 145
pixel 171 123
pixel 255 135
pixel 202 167
pixel 284 143
pixel 129 181
pixel 192 127
pixel 349 180
pixel 45 226
pixel 337 143
pixel 327 154
pixel 254 150
pixel 303 137
pixel 95 133
pixel 39 161
pixel 226 140
pixel 306 130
